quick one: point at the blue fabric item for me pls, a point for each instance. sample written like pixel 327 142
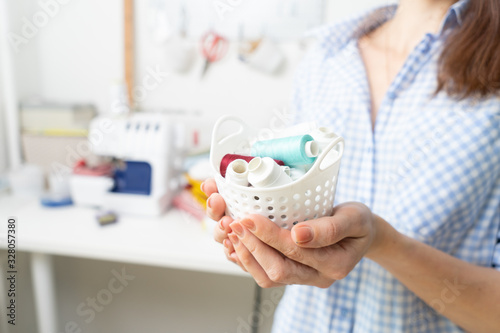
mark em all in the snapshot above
pixel 59 202
pixel 134 178
pixel 431 168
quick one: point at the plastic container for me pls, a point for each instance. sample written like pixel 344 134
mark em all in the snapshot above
pixel 309 197
pixel 27 181
pixel 89 190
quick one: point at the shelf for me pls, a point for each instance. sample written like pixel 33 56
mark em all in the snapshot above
pixel 174 240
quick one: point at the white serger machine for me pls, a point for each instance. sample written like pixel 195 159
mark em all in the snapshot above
pixel 148 147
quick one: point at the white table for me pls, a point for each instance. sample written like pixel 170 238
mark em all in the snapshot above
pixel 174 240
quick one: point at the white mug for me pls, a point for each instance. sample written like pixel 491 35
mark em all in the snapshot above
pixel 263 55
pixel 179 54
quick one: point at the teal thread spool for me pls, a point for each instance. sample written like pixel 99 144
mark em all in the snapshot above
pixel 293 150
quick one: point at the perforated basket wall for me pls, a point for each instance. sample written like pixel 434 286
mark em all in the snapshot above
pixel 309 197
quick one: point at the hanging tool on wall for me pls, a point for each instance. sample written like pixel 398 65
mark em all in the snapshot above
pixel 213 48
pixel 180 52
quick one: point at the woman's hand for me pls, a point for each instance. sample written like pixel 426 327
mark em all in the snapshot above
pixel 317 252
pixel 216 207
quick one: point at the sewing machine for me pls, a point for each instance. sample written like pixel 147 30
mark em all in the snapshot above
pixel 150 154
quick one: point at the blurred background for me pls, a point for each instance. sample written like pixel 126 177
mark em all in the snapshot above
pixel 106 113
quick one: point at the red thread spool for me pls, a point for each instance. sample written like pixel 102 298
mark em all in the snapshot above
pixel 228 158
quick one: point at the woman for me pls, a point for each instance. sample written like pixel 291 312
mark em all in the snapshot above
pixel 414 244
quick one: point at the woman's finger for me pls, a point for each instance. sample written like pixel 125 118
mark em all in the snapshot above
pixel 228 245
pixel 232 256
pixel 348 220
pixel 222 228
pixel 216 206
pixel 229 251
pixel 249 264
pixel 279 268
pixel 209 187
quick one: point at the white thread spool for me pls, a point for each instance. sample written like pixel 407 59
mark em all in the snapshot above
pixel 237 172
pixel 312 149
pixel 265 172
pixel 323 136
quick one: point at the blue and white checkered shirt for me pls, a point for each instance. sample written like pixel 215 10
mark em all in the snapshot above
pixel 431 168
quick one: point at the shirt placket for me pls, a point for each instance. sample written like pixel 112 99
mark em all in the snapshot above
pixel 416 59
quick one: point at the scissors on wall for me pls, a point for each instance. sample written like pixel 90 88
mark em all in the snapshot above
pixel 213 48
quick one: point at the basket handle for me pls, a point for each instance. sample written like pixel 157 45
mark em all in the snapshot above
pixel 238 128
pixel 221 122
pixel 319 163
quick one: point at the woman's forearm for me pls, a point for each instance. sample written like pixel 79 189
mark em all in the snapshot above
pixel 467 294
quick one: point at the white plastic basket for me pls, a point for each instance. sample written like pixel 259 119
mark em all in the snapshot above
pixel 309 197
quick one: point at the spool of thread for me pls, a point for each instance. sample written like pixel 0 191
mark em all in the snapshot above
pixel 264 172
pixel 237 172
pixel 323 136
pixel 228 158
pixel 293 150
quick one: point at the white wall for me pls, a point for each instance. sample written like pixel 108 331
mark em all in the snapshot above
pixel 75 57
pixel 79 54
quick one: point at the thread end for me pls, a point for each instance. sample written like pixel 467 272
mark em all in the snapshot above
pixel 254 164
pixel 312 149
